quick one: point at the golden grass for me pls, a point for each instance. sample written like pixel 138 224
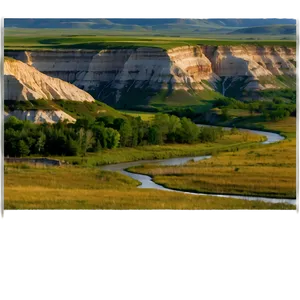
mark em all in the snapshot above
pixel 40 196
pixel 268 170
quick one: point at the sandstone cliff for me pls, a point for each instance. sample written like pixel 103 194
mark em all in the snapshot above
pixel 120 75
pixel 24 82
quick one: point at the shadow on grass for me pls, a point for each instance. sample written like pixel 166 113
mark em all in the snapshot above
pixel 59 44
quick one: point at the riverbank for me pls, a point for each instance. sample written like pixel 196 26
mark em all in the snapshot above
pixel 266 171
pixel 229 142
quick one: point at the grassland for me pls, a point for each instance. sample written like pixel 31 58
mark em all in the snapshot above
pixel 111 156
pixel 268 170
pixel 70 187
pixel 145 116
pixel 97 40
pixel 83 187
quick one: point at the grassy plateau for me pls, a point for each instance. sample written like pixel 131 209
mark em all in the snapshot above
pixel 97 40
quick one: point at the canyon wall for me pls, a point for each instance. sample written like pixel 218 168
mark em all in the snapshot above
pixel 121 75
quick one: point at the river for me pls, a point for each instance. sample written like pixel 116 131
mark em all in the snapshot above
pixel 148 183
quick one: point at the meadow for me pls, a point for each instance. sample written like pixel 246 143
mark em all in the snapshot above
pixel 74 187
pixel 267 170
pixel 145 116
pixel 97 40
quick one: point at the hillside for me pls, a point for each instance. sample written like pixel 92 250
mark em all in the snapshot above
pixel 271 29
pixel 145 25
pixel 31 95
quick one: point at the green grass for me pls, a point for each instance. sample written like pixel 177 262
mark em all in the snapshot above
pixel 87 109
pixel 145 116
pixel 183 98
pixel 281 81
pixel 45 40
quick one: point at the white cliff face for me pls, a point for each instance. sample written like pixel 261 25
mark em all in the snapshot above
pixel 40 116
pixel 123 69
pixel 251 60
pixel 24 82
pixel 111 74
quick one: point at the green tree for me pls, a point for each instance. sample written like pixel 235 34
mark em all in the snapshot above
pixel 155 136
pixel 173 128
pixel 189 131
pixel 40 143
pixel 85 140
pixel 126 134
pixel 113 138
pixel 23 149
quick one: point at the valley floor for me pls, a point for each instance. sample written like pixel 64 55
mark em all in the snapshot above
pixel 82 187
pixel 267 170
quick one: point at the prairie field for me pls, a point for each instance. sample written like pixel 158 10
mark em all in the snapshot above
pixel 73 187
pixel 29 39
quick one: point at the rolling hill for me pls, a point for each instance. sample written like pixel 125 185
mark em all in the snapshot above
pixel 171 26
pixel 270 29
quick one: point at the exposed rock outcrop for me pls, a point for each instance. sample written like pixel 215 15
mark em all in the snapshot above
pixel 24 82
pixel 40 116
pixel 114 75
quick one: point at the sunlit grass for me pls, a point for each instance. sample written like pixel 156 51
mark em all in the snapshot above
pixel 145 116
pixel 89 188
pixel 268 170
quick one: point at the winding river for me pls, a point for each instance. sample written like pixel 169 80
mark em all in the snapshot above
pixel 148 183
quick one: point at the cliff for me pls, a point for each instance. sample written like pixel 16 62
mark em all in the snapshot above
pixel 24 82
pixel 133 76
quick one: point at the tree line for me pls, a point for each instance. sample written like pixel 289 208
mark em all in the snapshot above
pixel 272 110
pixel 23 138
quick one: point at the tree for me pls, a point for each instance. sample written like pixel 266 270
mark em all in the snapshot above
pixel 155 136
pixel 189 131
pixel 113 138
pixel 161 121
pixel 72 147
pixel 85 140
pixel 40 143
pixel 23 149
pixel 174 127
pixel 125 134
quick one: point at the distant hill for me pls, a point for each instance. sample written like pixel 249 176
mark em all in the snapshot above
pixel 271 29
pixel 147 25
